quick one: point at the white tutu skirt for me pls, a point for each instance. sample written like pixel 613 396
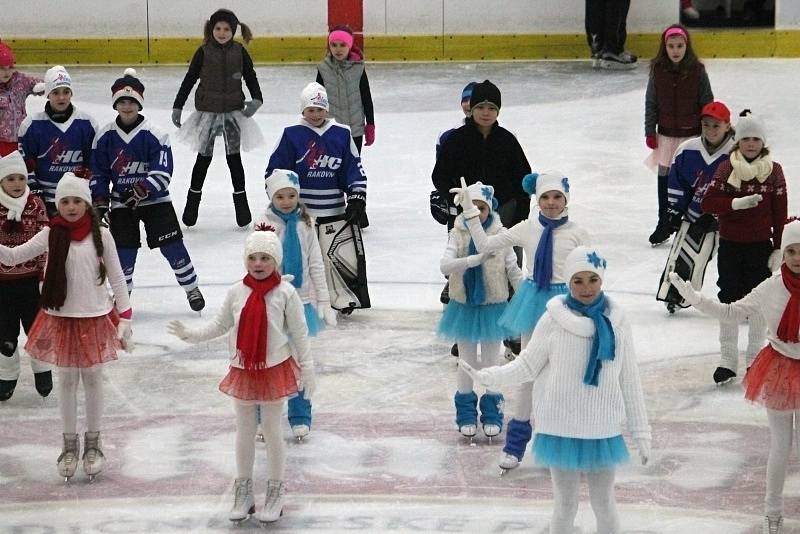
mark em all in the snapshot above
pixel 240 133
pixel 664 152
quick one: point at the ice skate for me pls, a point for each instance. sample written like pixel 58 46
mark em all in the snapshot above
pixel 260 437
pixel 723 375
pixel 196 300
pixel 43 382
pixel 468 431
pixel 300 432
pixel 273 504
pixel 661 234
pixel 772 525
pixel 512 348
pixel 7 388
pixel 466 414
pixel 490 431
pixel 491 406
pixel 68 460
pixel 507 463
pixel 243 502
pixel 454 350
pixel 93 458
pixel 621 61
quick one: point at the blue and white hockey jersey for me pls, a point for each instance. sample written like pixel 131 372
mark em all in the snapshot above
pixel 691 173
pixel 326 160
pixel 120 160
pixel 51 148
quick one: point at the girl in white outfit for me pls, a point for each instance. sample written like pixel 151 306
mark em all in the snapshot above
pixel 773 379
pixel 270 361
pixel 586 383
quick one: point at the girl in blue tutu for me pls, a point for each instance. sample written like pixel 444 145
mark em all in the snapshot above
pixel 478 296
pixel 546 238
pixel 586 383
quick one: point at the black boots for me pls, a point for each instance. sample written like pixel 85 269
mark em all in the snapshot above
pixel 243 216
pixel 192 206
pixel 44 382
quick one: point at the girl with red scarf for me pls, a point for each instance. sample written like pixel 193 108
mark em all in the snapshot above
pixel 270 361
pixel 79 328
pixel 773 380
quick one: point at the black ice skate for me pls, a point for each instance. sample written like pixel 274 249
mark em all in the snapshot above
pixel 7 388
pixel 454 350
pixel 661 233
pixel 723 376
pixel 43 382
pixel 196 300
pixel 621 61
pixel 513 348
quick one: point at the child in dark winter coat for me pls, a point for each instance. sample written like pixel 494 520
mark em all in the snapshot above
pixel 220 63
pixel 677 90
pixel 748 195
pixel 22 215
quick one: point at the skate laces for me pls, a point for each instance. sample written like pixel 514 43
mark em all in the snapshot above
pixel 241 492
pixel 274 493
pixel 774 525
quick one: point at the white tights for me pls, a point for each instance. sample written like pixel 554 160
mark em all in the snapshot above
pixel 522 405
pixel 271 413
pixel 566 494
pixel 68 379
pixel 468 351
pixel 781 425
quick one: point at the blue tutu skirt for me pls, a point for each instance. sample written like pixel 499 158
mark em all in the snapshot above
pixel 576 454
pixel 312 320
pixel 527 306
pixel 473 323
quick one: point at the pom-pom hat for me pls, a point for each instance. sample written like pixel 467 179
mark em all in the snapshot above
pixel 56 77
pixel 128 86
pixel 313 95
pixel 265 240
pixel 582 259
pixel 750 125
pixel 536 184
pixel 281 179
pixel 72 186
pixel 12 164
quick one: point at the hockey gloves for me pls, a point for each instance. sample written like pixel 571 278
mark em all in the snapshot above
pixel 250 107
pixel 124 333
pixel 356 207
pixel 176 117
pixel 744 203
pixel 688 293
pixel 369 134
pixel 674 220
pixel 462 198
pixel 101 207
pixel 775 260
pixel 651 141
pixel 138 193
pixel 178 329
pixel 441 209
pixel 326 313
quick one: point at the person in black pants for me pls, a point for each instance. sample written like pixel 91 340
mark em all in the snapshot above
pixel 606 31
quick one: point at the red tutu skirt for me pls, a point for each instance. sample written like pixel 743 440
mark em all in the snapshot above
pixel 773 380
pixel 74 341
pixel 261 385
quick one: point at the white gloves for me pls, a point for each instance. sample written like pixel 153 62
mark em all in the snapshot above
pixel 775 260
pixel 326 313
pixel 463 199
pixel 743 203
pixel 308 382
pixel 475 259
pixel 124 333
pixel 686 290
pixel 38 88
pixel 484 376
pixel 643 445
pixel 250 107
pixel 178 329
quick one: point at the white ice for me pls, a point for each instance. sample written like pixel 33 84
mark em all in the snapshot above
pixel 384 455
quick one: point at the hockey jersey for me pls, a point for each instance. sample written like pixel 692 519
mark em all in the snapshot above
pixel 327 162
pixel 691 173
pixel 120 160
pixel 51 148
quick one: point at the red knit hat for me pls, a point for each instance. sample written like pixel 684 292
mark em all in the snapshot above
pixel 6 56
pixel 716 110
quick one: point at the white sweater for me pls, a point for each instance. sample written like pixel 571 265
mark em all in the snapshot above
pixel 314 289
pixel 526 234
pixel 286 320
pixel 769 299
pixel 85 297
pixel 555 360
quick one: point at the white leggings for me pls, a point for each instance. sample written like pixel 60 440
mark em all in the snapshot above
pixel 522 404
pixel 781 426
pixel 468 352
pixel 566 495
pixel 68 379
pixel 246 439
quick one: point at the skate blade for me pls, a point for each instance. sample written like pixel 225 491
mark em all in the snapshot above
pixel 260 437
pixel 268 521
pixel 725 382
pixel 91 478
pixel 503 471
pixel 300 439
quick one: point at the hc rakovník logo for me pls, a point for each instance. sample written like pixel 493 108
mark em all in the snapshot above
pixel 123 165
pixel 596 260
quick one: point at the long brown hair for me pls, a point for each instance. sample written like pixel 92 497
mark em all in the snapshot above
pixel 54 289
pixel 662 59
pixel 208 32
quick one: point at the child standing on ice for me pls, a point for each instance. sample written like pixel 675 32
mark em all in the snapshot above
pixel 220 64
pixel 582 362
pixel 677 90
pixel 303 260
pixel 772 378
pixel 15 87
pixel 546 241
pixel 79 327
pixel 270 361
pixel 748 195
pixel 22 216
pixel 478 297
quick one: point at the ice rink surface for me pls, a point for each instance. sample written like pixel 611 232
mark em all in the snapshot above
pixel 384 454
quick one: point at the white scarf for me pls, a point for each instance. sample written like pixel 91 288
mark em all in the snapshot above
pixel 15 205
pixel 744 171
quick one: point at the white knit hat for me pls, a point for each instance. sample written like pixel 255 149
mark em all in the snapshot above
pixel 584 259
pixel 12 164
pixel 265 240
pixel 281 179
pixel 72 186
pixel 791 234
pixel 314 95
pixel 750 126
pixel 484 193
pixel 56 77
pixel 538 183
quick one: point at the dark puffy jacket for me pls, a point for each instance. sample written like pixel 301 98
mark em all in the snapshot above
pixel 674 100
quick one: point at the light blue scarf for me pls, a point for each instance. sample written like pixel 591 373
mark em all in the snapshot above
pixel 543 260
pixel 603 345
pixel 292 253
pixel 473 277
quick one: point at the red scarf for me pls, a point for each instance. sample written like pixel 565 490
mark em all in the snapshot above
pixel 251 340
pixel 790 320
pixel 78 230
pixel 62 233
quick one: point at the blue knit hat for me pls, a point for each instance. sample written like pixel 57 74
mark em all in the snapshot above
pixel 466 92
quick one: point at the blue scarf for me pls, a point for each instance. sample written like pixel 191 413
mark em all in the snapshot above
pixel 543 260
pixel 473 277
pixel 603 346
pixel 292 253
